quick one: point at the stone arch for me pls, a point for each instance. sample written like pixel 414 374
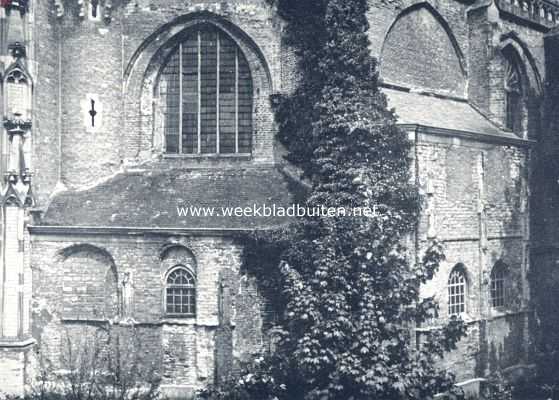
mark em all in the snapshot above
pixel 175 257
pixel 143 68
pixel 154 42
pixel 176 254
pixel 511 47
pixel 90 289
pixel 421 32
pixel 533 76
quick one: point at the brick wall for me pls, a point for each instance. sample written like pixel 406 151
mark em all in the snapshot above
pixel 91 63
pixel 419 53
pixel 12 365
pixel 188 346
pixel 461 176
pixel 122 59
pixel 435 48
pixel 115 63
pixel 479 37
pixel 46 102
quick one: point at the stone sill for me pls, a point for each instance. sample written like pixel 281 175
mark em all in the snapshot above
pixel 169 320
pixel 166 320
pixel 208 157
pixel 469 319
pixel 16 343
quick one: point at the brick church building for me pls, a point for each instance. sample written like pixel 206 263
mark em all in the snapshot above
pixel 115 112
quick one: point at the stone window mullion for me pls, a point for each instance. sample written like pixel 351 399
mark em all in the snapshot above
pixel 206 96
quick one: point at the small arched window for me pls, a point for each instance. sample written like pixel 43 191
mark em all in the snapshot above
pixel 498 285
pixel 457 287
pixel 180 292
pixel 205 91
pixel 513 93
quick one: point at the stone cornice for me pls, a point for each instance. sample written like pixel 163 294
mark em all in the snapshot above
pixel 135 231
pixel 107 8
pixel 16 343
pixel 474 136
pixel 543 13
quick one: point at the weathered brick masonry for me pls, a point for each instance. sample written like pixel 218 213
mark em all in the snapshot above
pixel 91 233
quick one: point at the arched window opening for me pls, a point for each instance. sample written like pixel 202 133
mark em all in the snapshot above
pixel 180 294
pixel 513 94
pixel 498 285
pixel 205 90
pixel 457 291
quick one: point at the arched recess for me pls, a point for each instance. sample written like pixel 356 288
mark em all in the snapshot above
pixel 142 71
pixel 512 48
pixel 420 51
pixel 90 289
pixel 17 105
pixel 529 63
pixel 18 88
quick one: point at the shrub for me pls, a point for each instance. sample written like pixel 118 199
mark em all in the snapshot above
pixel 97 364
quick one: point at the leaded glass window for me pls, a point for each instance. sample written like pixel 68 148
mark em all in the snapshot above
pixel 206 96
pixel 498 282
pixel 180 296
pixel 457 291
pixel 513 96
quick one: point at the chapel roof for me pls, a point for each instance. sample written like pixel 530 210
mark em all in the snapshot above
pixel 149 199
pixel 444 113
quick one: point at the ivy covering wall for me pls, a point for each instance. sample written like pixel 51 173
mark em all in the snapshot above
pixel 346 292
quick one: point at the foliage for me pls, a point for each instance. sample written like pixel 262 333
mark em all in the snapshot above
pixel 350 296
pixel 98 364
pixel 497 388
pixel 256 382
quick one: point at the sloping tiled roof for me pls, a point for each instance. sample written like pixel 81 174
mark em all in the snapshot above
pixel 420 109
pixel 149 199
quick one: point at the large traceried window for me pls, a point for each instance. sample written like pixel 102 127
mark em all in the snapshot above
pixel 180 293
pixel 513 94
pixel 206 91
pixel 457 287
pixel 498 285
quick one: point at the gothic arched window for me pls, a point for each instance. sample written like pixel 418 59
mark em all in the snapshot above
pixel 457 288
pixel 205 91
pixel 513 95
pixel 180 292
pixel 498 285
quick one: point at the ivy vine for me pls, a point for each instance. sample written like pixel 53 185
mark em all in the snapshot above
pixel 348 295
